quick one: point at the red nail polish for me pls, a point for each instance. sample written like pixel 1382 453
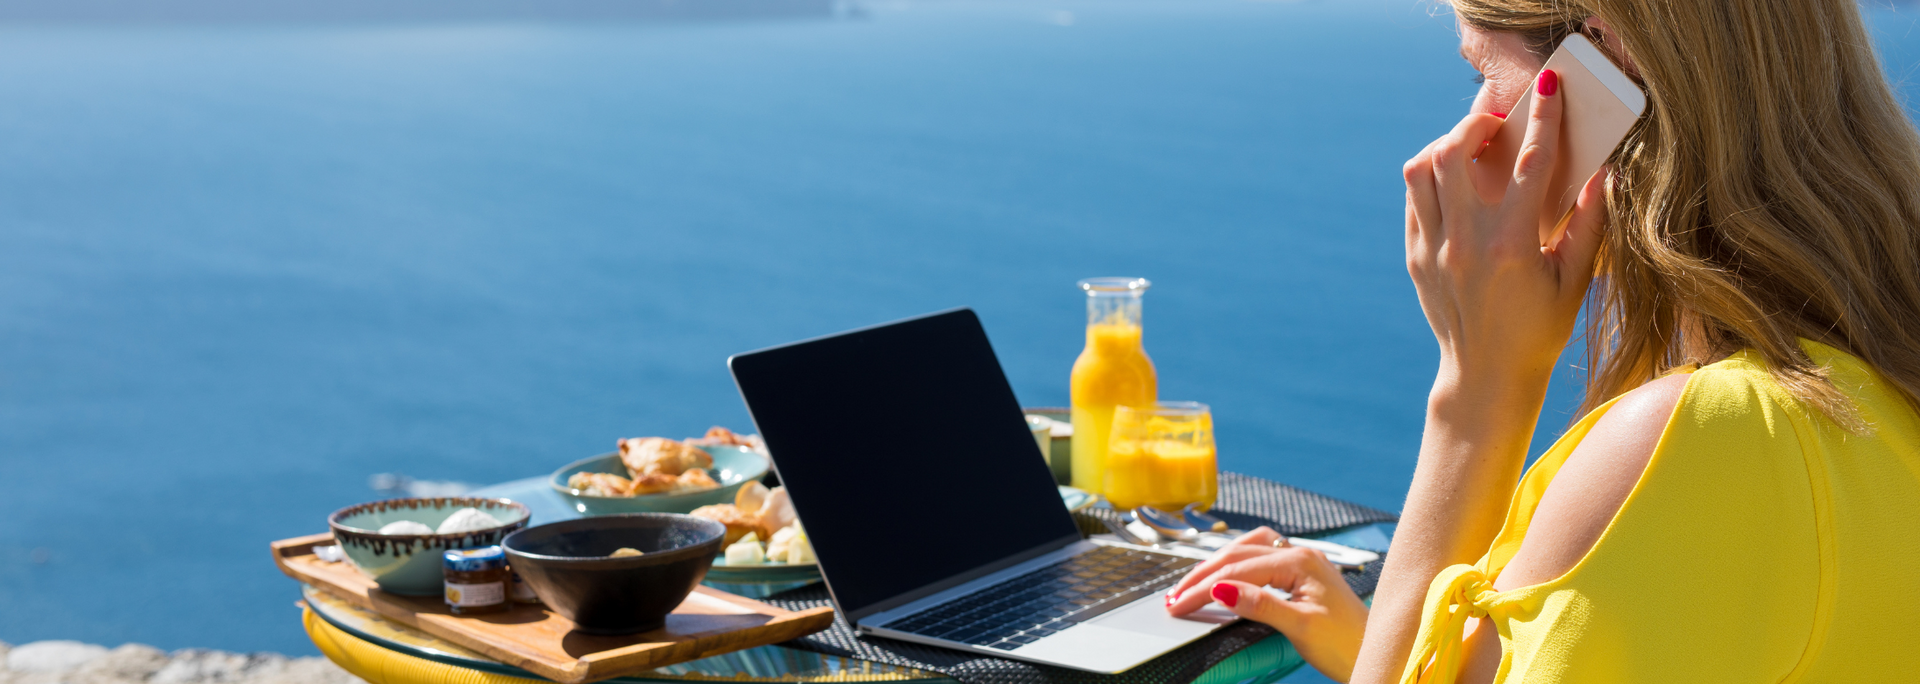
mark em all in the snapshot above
pixel 1500 114
pixel 1226 593
pixel 1549 83
pixel 1169 599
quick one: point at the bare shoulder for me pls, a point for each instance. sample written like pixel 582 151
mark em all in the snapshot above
pixel 1593 483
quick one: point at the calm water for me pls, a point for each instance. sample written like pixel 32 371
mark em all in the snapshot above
pixel 245 266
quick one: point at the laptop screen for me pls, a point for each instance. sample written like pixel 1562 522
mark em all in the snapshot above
pixel 905 452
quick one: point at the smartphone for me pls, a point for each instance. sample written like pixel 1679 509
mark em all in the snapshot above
pixel 1600 105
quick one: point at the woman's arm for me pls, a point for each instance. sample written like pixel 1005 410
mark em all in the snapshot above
pixel 1470 458
pixel 1502 308
pixel 1589 489
pixel 1326 621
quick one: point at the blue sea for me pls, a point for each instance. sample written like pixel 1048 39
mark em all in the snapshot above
pixel 255 254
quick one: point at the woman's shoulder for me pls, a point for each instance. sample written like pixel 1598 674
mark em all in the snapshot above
pixel 1643 413
pixel 1593 482
pixel 1685 415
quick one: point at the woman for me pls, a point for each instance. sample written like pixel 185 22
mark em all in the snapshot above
pixel 1741 501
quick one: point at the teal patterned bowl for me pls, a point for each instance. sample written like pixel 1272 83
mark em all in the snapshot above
pixel 410 564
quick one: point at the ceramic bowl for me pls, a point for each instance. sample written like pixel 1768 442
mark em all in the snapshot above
pixel 732 467
pixel 567 565
pixel 410 564
pixel 1060 457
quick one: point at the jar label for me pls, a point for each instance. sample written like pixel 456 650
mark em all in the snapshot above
pixel 522 591
pixel 483 594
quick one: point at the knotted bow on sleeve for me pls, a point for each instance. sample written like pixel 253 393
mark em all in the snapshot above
pixel 1457 593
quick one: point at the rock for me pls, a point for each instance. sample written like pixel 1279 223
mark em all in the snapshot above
pixel 52 656
pixel 127 663
pixel 68 662
pixel 201 666
pixel 308 671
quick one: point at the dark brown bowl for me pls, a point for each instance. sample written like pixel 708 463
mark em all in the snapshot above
pixel 566 564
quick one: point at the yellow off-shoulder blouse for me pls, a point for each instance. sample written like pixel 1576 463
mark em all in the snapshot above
pixel 1763 543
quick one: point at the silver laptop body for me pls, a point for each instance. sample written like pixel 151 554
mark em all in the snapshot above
pixel 1122 624
pixel 934 517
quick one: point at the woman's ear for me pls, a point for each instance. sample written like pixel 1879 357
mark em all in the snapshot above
pixel 1609 40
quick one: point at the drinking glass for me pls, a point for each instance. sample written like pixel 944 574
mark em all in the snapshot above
pixel 1162 456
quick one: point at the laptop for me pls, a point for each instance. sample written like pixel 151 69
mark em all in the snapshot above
pixel 932 513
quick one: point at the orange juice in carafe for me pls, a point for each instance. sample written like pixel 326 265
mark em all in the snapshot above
pixel 1112 371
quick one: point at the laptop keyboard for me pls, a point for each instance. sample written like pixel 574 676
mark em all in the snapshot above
pixel 1022 610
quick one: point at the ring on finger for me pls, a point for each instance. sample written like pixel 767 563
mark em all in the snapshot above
pixel 1281 542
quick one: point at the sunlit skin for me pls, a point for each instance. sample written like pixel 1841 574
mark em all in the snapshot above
pixel 1501 308
pixel 1506 68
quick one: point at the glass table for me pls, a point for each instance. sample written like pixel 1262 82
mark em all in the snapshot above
pixel 387 652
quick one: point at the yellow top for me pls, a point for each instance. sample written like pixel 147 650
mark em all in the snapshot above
pixel 1763 543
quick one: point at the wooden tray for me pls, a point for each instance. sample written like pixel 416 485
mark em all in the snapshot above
pixel 533 638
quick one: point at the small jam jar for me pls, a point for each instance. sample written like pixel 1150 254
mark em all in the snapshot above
pixel 477 580
pixel 520 591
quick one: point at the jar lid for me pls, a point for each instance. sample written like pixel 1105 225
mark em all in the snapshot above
pixel 476 560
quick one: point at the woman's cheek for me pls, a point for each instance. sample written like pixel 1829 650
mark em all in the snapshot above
pixel 1503 93
pixel 1483 102
pixel 1497 98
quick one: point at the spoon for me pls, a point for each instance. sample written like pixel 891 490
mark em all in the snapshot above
pixel 1166 525
pixel 1199 519
pixel 1125 532
pixel 1178 528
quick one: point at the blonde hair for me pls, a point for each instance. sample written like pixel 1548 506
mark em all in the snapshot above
pixel 1772 192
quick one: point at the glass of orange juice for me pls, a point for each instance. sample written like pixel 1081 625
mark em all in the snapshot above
pixel 1161 455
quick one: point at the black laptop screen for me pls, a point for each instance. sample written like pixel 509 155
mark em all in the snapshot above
pixel 905 453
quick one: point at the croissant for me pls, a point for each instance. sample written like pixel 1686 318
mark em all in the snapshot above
pixel 738 522
pixel 645 456
pixel 600 484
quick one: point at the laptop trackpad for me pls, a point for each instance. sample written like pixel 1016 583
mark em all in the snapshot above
pixel 1124 638
pixel 1150 617
pixel 1088 646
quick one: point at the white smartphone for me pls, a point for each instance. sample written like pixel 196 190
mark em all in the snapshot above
pixel 1600 105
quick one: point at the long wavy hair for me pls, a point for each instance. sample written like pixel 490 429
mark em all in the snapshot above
pixel 1772 192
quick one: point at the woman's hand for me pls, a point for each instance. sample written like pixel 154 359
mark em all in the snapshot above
pixel 1325 620
pixel 1501 305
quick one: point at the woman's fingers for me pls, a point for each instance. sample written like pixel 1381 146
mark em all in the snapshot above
pixel 1453 159
pixel 1533 169
pixel 1200 594
pixel 1579 245
pixel 1259 536
pixel 1246 546
pixel 1423 199
pixel 1415 245
pixel 1440 180
pixel 1254 602
pixel 1323 618
pixel 1283 567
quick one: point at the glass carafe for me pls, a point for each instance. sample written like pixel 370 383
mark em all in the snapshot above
pixel 1112 371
